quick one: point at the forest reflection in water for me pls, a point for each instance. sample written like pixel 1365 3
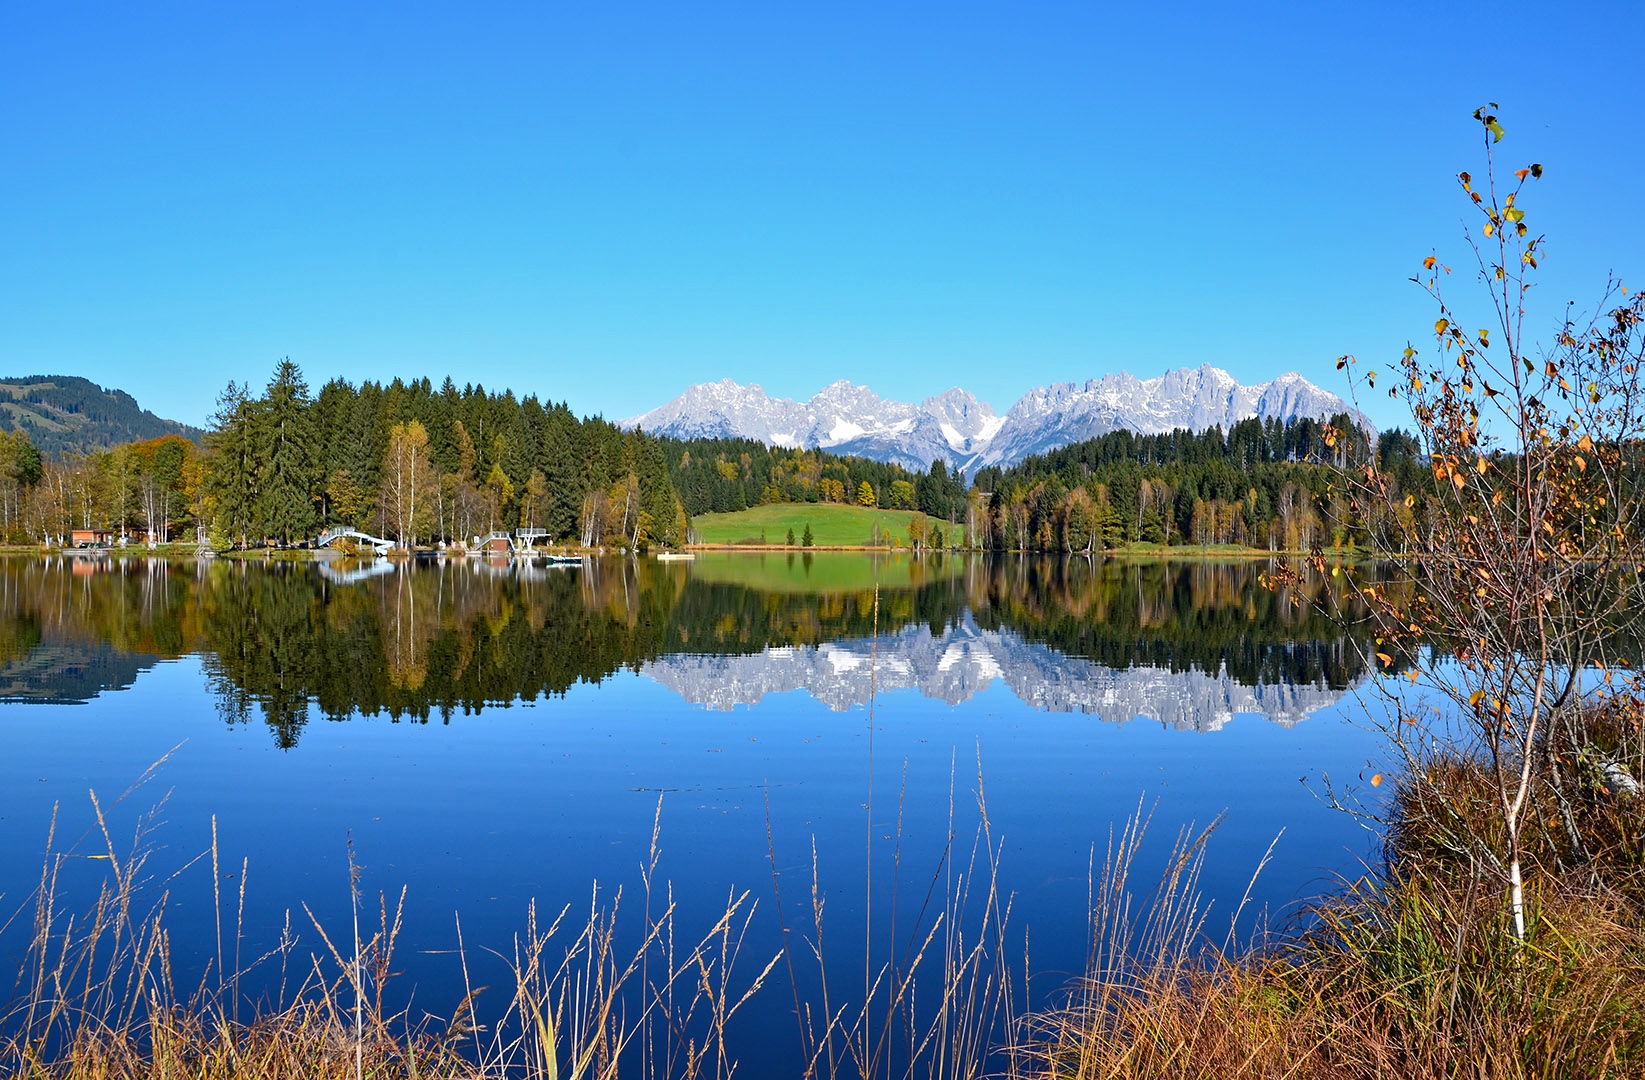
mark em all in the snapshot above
pixel 732 700
pixel 416 641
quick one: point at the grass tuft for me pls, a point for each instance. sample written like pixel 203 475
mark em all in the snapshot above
pixel 1412 971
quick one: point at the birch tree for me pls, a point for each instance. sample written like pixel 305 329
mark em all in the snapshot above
pixel 1524 564
pixel 407 498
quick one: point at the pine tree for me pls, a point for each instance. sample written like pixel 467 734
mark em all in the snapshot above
pixel 285 499
pixel 564 496
pixel 232 483
pixel 333 413
pixel 345 497
pixel 806 539
pixel 20 469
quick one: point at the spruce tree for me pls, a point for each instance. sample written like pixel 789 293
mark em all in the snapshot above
pixel 288 482
pixel 565 495
pixel 232 479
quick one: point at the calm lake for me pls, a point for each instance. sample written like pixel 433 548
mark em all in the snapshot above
pixel 490 733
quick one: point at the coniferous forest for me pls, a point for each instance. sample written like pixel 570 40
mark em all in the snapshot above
pixel 725 475
pixel 405 460
pixel 1262 484
pixel 422 464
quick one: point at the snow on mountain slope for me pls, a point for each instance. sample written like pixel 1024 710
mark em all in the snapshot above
pixel 965 660
pixel 842 417
pixel 1191 398
pixel 960 430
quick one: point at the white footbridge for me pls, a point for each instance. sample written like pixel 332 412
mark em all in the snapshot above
pixel 522 542
pixel 377 543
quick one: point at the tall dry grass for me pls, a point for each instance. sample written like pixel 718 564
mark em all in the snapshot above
pixel 932 996
pixel 1411 972
pixel 97 995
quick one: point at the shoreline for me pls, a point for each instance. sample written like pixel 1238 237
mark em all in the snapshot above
pixel 1207 552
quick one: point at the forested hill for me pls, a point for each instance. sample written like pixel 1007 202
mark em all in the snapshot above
pixel 405 460
pixel 1242 447
pixel 718 475
pixel 427 463
pixel 1260 483
pixel 65 414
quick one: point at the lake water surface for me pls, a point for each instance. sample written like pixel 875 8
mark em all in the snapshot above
pixel 492 733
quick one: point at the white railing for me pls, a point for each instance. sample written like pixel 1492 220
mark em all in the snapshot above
pixel 331 536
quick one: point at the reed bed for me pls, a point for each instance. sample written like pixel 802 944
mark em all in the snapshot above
pixel 97 996
pixel 1410 971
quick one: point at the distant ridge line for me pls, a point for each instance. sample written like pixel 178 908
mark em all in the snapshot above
pixel 68 414
pixel 966 434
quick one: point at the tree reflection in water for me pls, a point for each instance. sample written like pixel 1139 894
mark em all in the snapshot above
pixel 282 640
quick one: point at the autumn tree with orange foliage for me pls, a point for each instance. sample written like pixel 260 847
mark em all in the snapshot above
pixel 167 477
pixel 1523 559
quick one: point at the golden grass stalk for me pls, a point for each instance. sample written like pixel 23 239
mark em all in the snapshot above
pixel 96 998
pixel 1412 972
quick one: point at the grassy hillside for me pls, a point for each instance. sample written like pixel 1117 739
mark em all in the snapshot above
pixel 832 525
pixel 65 414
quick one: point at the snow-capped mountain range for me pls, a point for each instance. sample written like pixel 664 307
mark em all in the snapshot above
pixel 965 661
pixel 965 433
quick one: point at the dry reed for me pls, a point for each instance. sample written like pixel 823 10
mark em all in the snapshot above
pixel 1409 972
pixel 97 997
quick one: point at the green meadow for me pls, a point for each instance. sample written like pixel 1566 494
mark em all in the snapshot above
pixel 832 525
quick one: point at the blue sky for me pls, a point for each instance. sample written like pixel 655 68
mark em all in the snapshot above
pixel 607 203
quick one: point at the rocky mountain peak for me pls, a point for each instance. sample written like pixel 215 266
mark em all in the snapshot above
pixel 962 431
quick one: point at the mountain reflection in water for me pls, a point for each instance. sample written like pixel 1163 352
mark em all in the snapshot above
pixel 1188 644
pixel 963 661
